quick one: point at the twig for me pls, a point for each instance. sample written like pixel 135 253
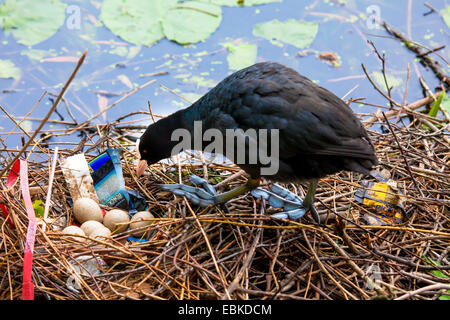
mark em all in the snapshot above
pixel 400 110
pixel 383 71
pixel 412 106
pixel 115 103
pixel 425 59
pixel 403 155
pixel 44 121
pixel 436 286
pixel 378 89
pixel 235 283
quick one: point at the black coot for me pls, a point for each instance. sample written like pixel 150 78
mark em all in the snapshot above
pixel 318 132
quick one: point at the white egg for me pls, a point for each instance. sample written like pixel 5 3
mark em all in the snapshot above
pixel 116 220
pixel 85 209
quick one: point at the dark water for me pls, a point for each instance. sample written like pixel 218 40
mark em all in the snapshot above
pixel 341 31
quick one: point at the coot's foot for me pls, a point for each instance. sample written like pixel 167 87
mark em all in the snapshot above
pixel 204 196
pixel 280 197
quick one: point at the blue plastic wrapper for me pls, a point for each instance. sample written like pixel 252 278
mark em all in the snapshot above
pixel 134 239
pixel 136 202
pixel 106 171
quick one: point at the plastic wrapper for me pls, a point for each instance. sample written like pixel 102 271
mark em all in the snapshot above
pixel 383 198
pixel 106 172
pixel 101 180
pixel 77 175
pixel 136 203
pixel 84 266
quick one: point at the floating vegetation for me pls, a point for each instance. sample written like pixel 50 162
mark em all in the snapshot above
pixel 191 21
pixel 147 22
pixel 9 70
pixel 138 22
pixel 445 13
pixel 297 33
pixel 32 21
pixel 237 3
pixel 392 81
pixel 240 55
pixel 331 58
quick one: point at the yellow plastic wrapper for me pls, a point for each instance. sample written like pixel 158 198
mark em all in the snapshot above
pixel 383 198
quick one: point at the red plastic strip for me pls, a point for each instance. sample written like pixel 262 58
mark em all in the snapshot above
pixel 27 286
pixel 13 174
pixel 12 178
pixel 6 214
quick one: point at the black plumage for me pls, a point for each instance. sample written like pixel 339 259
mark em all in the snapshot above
pixel 318 133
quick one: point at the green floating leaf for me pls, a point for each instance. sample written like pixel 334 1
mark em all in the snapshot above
pixel 241 55
pixel 27 125
pixel 120 51
pixel 136 21
pixel 9 70
pixel 391 80
pixel 191 96
pixel 191 21
pixel 32 21
pixel 201 81
pixel 237 3
pixel 298 33
pixel 445 104
pixel 445 14
pixel 38 54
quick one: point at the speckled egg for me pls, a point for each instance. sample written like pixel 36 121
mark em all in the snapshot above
pixel 100 233
pixel 85 209
pixel 116 220
pixel 138 221
pixel 89 226
pixel 74 230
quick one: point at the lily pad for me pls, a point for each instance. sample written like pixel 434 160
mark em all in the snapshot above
pixel 38 54
pixel 120 51
pixel 236 3
pixel 136 21
pixel 32 21
pixel 445 104
pixel 391 80
pixel 241 55
pixel 27 125
pixel 191 96
pixel 9 70
pixel 445 13
pixel 191 21
pixel 298 33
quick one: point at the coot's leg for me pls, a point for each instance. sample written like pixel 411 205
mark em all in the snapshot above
pixel 294 207
pixel 206 195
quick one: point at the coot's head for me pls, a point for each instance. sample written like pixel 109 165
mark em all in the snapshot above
pixel 154 145
pixel 147 150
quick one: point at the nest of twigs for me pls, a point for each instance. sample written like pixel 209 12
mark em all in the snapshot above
pixel 237 250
